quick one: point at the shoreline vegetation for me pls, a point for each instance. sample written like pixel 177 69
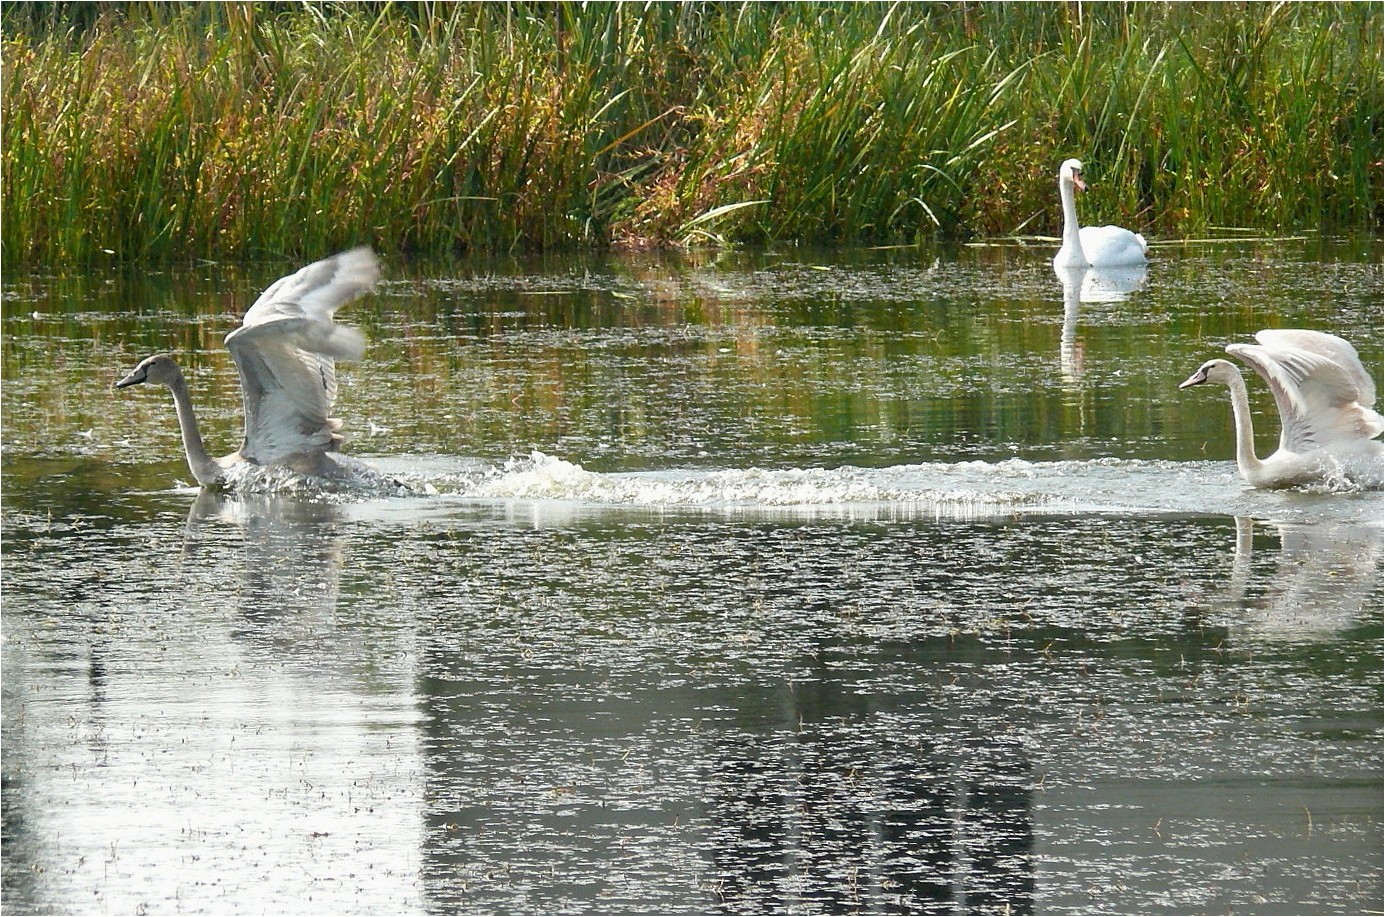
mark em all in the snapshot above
pixel 140 132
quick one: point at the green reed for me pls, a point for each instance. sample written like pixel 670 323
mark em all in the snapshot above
pixel 211 130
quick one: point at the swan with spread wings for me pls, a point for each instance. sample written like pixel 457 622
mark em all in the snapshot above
pixel 1326 399
pixel 286 351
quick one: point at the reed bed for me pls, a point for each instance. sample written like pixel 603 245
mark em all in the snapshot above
pixel 156 131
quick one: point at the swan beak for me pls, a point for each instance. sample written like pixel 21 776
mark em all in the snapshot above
pixel 135 378
pixel 1078 183
pixel 1196 378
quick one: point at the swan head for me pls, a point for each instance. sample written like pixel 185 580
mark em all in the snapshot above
pixel 1220 371
pixel 159 369
pixel 1070 173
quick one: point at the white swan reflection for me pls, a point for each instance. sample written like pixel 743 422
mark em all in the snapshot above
pixel 1090 285
pixel 1326 577
pixel 241 721
pixel 293 556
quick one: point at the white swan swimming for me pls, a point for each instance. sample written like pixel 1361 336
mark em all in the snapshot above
pixel 1326 405
pixel 1092 246
pixel 285 349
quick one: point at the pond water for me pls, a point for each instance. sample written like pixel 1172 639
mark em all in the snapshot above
pixel 901 580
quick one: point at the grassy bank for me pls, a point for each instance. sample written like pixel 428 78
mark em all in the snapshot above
pixel 226 130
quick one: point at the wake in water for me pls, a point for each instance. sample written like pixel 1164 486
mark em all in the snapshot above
pixel 543 477
pixel 364 482
pixel 951 490
pixel 971 489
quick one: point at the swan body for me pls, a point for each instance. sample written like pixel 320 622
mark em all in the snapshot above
pixel 1092 246
pixel 285 351
pixel 1329 426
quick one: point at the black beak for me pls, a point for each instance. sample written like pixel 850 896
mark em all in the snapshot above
pixel 135 378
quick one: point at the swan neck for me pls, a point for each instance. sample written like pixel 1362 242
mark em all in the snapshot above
pixel 202 465
pixel 1246 460
pixel 1072 234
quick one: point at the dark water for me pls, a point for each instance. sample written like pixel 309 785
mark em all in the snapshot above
pixel 806 582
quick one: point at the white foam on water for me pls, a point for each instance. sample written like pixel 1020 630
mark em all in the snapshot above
pixel 539 486
pixel 543 477
pixel 969 489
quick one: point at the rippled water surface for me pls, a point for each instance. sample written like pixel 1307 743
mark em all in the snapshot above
pixel 811 582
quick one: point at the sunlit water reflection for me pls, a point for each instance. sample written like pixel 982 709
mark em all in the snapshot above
pixel 762 585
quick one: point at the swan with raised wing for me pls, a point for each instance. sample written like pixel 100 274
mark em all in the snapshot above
pixel 1092 246
pixel 1326 401
pixel 285 350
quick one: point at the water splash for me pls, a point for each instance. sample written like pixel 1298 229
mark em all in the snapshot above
pixel 955 490
pixel 364 481
pixel 543 477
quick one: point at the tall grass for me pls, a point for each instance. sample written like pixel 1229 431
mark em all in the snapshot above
pixel 154 131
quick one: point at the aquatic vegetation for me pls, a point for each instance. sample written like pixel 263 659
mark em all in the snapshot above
pixel 204 130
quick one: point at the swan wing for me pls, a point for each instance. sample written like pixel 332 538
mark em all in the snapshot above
pixel 286 350
pixel 318 290
pixel 1113 246
pixel 1323 394
pixel 1329 346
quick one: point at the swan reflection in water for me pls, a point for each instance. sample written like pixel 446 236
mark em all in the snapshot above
pixel 289 592
pixel 1090 285
pixel 1325 578
pixel 293 548
pixel 253 736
